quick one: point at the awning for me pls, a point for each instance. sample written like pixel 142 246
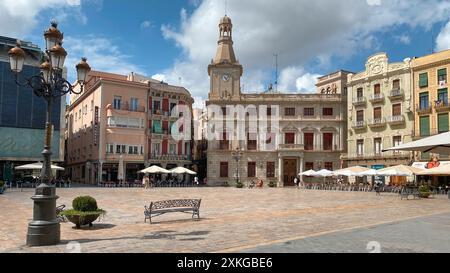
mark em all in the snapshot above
pixel 439 144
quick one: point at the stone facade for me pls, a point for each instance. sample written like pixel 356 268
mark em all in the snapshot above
pixel 306 130
pixel 381 113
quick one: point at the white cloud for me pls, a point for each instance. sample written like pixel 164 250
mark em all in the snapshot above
pixel 443 39
pixel 146 24
pixel 404 39
pixel 296 79
pixel 102 55
pixel 159 77
pixel 19 17
pixel 301 31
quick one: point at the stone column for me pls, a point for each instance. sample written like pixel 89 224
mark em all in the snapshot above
pixel 301 168
pixel 100 172
pixel 280 171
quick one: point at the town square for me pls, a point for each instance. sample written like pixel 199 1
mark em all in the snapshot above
pixel 224 127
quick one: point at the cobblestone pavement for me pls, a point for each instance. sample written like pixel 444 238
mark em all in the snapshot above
pixel 233 220
pixel 429 234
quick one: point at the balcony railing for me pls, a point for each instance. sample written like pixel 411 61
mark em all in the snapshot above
pixel 432 132
pixel 359 100
pixel 154 157
pixel 389 154
pixel 131 108
pixel 378 122
pixel 291 147
pixel 423 109
pixel 377 98
pixel 359 125
pixel 393 120
pixel 442 106
pixel 396 94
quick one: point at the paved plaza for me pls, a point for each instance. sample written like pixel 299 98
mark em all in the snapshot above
pixel 240 220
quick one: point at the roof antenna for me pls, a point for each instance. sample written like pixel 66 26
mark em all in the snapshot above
pixel 276 71
pixel 432 39
pixel 226 7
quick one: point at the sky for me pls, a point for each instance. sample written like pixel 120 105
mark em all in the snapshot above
pixel 175 40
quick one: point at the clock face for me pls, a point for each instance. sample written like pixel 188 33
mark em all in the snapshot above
pixel 226 77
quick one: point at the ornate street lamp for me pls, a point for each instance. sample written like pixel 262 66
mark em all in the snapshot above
pixel 237 155
pixel 51 86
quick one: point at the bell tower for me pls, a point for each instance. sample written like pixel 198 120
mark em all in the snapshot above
pixel 225 71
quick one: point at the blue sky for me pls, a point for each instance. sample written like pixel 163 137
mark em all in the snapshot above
pixel 175 40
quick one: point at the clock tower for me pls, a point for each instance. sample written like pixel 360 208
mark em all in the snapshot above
pixel 225 71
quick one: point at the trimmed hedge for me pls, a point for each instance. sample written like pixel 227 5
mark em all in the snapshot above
pixel 85 204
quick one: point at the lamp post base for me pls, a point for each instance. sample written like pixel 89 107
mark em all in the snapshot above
pixel 44 230
pixel 43 234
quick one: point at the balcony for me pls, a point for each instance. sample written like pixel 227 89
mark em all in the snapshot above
pixel 292 147
pixel 396 94
pixel 441 106
pixel 423 109
pixel 131 108
pixel 359 101
pixel 358 125
pixel 376 155
pixel 432 132
pixel 396 120
pixel 170 158
pixel 376 98
pixel 378 122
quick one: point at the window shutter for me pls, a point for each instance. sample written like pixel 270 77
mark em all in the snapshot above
pixel 425 126
pixel 443 123
pixel 423 80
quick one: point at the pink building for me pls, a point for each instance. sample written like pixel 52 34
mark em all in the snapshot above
pixel 116 117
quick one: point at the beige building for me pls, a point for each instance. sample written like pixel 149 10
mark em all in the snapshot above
pixel 278 134
pixel 430 83
pixel 125 118
pixel 381 113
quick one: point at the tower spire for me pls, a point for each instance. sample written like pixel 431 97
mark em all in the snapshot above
pixel 225 51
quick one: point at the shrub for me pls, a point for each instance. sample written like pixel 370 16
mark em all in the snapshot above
pixel 272 184
pixel 239 185
pixel 424 189
pixel 84 204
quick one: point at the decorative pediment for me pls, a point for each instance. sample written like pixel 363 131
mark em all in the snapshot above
pixel 309 129
pixel 328 129
pixel 290 128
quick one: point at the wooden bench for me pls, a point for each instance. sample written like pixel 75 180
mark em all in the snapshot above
pixel 162 207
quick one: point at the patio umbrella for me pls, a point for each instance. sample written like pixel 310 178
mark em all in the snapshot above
pixel 155 170
pixel 121 171
pixel 439 144
pixel 370 172
pixel 352 171
pixel 443 170
pixel 400 170
pixel 37 166
pixel 325 173
pixel 308 173
pixel 181 170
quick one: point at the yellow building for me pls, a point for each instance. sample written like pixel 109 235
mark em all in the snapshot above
pixel 430 86
pixel 381 115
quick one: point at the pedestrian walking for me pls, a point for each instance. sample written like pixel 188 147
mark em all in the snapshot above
pixel 378 188
pixel 146 182
pixel 296 183
pixel 196 181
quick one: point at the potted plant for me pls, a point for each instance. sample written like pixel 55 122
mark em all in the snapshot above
pixel 424 192
pixel 239 184
pixel 2 187
pixel 84 212
pixel 272 184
